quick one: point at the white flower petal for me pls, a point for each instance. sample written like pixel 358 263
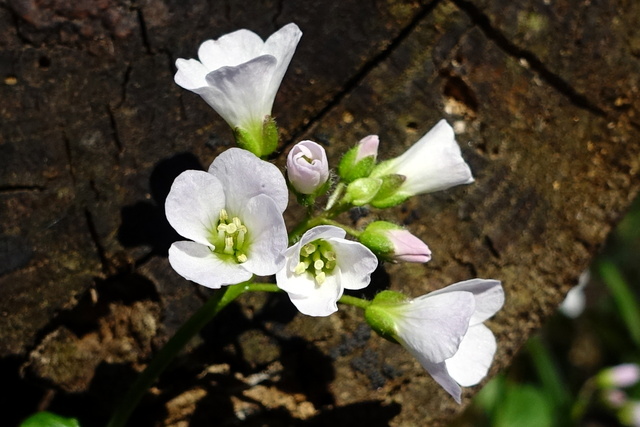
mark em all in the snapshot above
pixel 193 205
pixel 238 93
pixel 230 49
pixel 267 235
pixel 244 176
pixel 434 326
pixel 488 293
pixel 282 44
pixel 355 261
pixel 197 263
pixel 471 362
pixel 316 300
pixel 438 372
pixel 322 232
pixel 191 74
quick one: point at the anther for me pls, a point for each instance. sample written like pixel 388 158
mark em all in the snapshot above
pixel 308 249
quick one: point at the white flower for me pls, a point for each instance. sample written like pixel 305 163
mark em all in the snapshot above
pixel 575 300
pixel 433 163
pixel 238 75
pixel 234 219
pixel 444 329
pixel 307 167
pixel 321 266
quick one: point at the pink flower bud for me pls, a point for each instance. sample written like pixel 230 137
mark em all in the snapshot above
pixel 407 247
pixel 624 375
pixel 394 243
pixel 368 146
pixel 307 167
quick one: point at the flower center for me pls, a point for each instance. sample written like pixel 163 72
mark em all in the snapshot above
pixel 229 237
pixel 318 259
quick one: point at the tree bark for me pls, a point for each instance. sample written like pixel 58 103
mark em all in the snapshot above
pixel 544 98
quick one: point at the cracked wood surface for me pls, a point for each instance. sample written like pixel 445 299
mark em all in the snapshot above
pixel 544 96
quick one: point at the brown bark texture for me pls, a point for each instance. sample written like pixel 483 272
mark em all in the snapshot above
pixel 544 96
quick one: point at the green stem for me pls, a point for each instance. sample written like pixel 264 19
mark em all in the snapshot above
pixel 262 287
pixel 352 231
pixel 354 301
pixel 159 363
pixel 548 373
pixel 582 400
pixel 623 296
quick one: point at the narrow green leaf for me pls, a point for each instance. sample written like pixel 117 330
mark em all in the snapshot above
pixel 623 296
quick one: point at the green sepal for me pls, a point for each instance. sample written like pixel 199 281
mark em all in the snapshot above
pixel 48 419
pixel 270 136
pixel 378 316
pixel 388 195
pixel 261 141
pixel 362 191
pixel 349 170
pixel 247 140
pixel 375 238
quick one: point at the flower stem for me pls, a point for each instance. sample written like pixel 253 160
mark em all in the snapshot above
pixel 159 363
pixel 264 287
pixel 354 301
pixel 623 297
pixel 350 230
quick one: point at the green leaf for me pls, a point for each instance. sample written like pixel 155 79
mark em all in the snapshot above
pixel 48 419
pixel 524 406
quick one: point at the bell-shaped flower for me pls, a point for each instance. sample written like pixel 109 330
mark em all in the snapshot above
pixel 232 218
pixel 444 329
pixel 307 167
pixel 321 266
pixel 394 243
pixel 433 163
pixel 358 162
pixel 238 75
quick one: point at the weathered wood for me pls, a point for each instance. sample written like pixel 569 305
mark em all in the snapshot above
pixel 545 100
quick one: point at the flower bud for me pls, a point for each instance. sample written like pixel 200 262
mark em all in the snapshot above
pixel 307 167
pixel 359 161
pixel 619 376
pixel 394 243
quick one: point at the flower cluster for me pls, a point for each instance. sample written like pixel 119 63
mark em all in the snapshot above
pixel 232 215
